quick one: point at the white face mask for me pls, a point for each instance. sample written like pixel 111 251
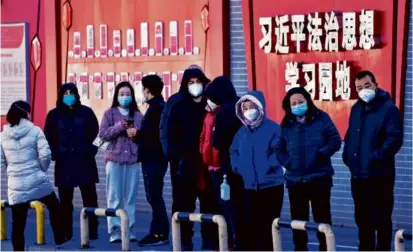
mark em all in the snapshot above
pixel 196 89
pixel 251 114
pixel 212 105
pixel 367 94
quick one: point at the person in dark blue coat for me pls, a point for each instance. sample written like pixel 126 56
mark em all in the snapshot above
pixel 309 139
pixel 221 91
pixel 374 136
pixel 165 137
pixel 70 129
pixel 254 159
pixel 185 123
pixel 154 162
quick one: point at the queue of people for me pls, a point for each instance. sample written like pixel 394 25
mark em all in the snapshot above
pixel 209 136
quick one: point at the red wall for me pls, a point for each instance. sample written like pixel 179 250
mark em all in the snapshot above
pixel 26 11
pixel 128 14
pixel 266 72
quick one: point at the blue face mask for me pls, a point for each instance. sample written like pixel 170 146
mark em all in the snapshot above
pixel 69 100
pixel 300 109
pixel 124 101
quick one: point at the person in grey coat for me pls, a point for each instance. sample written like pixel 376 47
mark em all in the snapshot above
pixel 25 157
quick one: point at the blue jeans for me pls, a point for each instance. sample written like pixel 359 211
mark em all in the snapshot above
pixel 153 176
pixel 225 206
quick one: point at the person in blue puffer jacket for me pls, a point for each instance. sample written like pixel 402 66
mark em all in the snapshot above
pixel 254 159
pixel 308 141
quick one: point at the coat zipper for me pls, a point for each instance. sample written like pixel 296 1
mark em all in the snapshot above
pixel 255 171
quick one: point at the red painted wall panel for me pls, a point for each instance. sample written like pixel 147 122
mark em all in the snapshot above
pixel 266 72
pixel 13 11
pixel 128 14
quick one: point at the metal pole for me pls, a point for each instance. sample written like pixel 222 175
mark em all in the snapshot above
pixel 84 224
pixel 276 236
pixel 39 208
pixel 124 226
pixel 399 241
pixel 176 233
pixel 304 226
pixel 3 219
pixel 84 229
pixel 330 238
pixel 222 232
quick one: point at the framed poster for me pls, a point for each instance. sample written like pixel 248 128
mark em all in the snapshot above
pixel 15 75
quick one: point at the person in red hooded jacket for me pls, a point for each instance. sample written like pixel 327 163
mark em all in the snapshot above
pixel 210 154
pixel 211 158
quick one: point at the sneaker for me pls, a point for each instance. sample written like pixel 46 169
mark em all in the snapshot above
pixel 132 238
pixel 115 237
pixel 153 240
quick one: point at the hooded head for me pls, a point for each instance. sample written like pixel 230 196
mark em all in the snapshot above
pixel 221 91
pixel 195 66
pixel 190 75
pixel 72 98
pixel 250 109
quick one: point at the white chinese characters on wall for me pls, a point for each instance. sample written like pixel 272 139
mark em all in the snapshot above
pixel 323 32
pixel 326 76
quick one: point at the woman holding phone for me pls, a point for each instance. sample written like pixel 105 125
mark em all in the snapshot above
pixel 120 125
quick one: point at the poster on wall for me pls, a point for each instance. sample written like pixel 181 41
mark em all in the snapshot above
pixel 14 64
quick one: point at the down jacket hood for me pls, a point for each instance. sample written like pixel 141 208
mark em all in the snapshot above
pixel 221 91
pixel 256 97
pixel 20 130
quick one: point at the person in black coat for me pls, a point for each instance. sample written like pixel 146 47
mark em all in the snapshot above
pixel 309 140
pixel 186 118
pixel 221 91
pixel 154 162
pixel 70 129
pixel 374 136
pixel 164 135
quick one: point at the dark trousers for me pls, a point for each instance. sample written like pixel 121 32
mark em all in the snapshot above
pixel 373 205
pixel 89 198
pixel 19 216
pixel 153 176
pixel 173 171
pixel 261 208
pixel 188 193
pixel 237 204
pixel 318 193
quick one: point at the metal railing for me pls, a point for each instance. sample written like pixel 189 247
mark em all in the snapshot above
pixel 178 217
pixel 304 226
pixel 90 211
pixel 400 237
pixel 38 207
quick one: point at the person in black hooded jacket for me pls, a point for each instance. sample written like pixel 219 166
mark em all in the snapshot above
pixel 70 130
pixel 221 91
pixel 185 125
pixel 164 135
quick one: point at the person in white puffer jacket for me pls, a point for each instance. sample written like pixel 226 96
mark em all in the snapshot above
pixel 25 157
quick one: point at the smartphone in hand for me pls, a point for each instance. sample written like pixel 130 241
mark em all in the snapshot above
pixel 130 122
